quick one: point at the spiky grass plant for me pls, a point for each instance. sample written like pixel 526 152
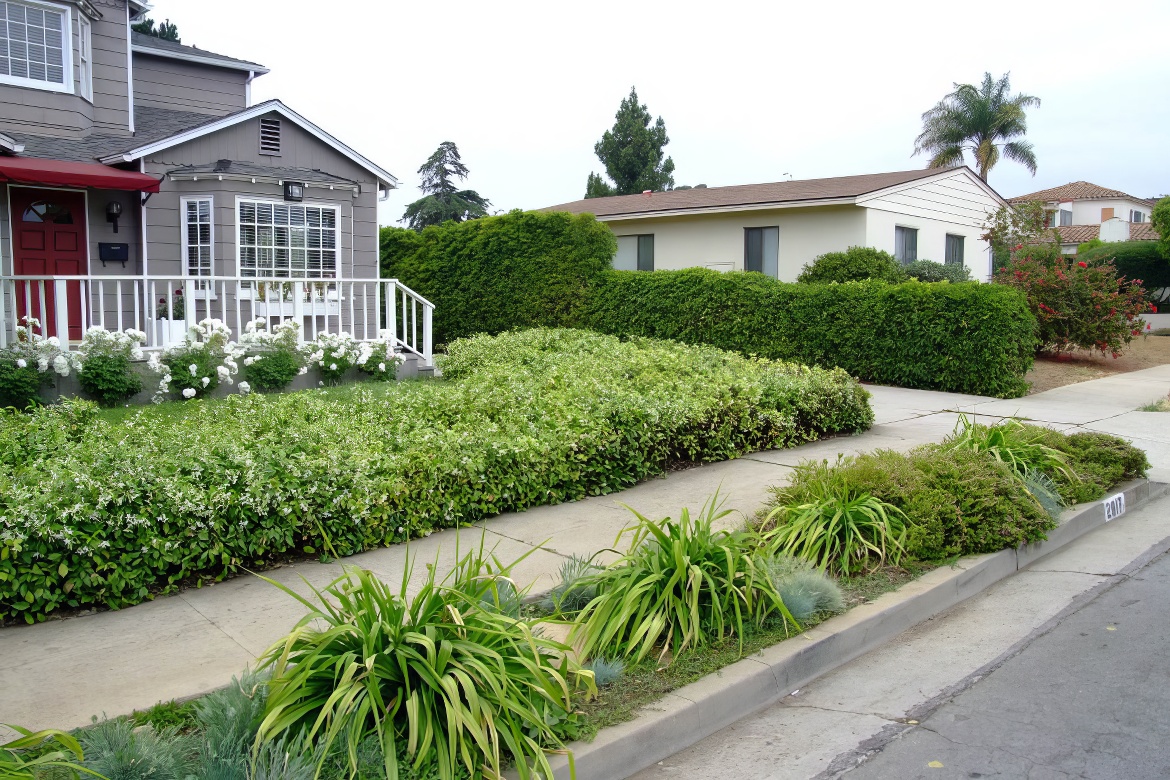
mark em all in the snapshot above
pixel 805 590
pixel 575 588
pixel 28 758
pixel 840 529
pixel 118 750
pixel 456 679
pixel 681 586
pixel 605 671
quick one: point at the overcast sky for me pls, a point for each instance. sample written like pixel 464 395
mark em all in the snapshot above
pixel 750 92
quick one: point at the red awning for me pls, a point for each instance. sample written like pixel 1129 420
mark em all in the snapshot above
pixel 59 173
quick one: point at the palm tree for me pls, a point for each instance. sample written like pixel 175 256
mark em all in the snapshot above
pixel 984 119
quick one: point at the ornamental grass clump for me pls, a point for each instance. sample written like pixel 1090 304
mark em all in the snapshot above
pixel 32 756
pixel 841 529
pixel 439 674
pixel 682 586
pixel 104 359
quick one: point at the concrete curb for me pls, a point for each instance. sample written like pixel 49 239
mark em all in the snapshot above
pixel 696 711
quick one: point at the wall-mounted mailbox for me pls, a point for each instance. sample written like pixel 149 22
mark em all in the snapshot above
pixel 113 253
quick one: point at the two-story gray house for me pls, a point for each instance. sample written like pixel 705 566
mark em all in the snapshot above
pixel 141 188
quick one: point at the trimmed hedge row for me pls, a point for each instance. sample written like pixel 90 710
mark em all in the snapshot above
pixel 489 275
pixel 1133 260
pixel 965 338
pixel 109 513
pixel 536 269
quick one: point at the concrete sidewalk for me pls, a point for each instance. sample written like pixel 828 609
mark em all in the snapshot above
pixel 61 673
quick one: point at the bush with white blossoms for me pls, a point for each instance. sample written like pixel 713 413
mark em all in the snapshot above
pixel 26 364
pixel 378 358
pixel 206 358
pixel 103 364
pixel 331 354
pixel 274 358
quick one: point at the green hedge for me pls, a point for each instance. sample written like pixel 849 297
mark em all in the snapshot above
pixel 1134 260
pixel 490 275
pixel 110 510
pixel 965 338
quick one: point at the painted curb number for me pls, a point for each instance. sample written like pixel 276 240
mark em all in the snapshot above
pixel 1114 506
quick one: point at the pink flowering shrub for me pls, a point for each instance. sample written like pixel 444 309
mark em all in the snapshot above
pixel 1078 305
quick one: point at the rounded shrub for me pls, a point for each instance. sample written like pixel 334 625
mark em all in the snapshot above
pixel 853 265
pixel 19 385
pixel 109 379
pixel 271 371
pixel 930 271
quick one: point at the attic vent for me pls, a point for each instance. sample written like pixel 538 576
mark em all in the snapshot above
pixel 269 136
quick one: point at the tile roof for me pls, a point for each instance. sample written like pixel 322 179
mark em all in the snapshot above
pixel 243 168
pixel 1079 234
pixel 166 48
pixel 1076 190
pixel 151 124
pixel 840 187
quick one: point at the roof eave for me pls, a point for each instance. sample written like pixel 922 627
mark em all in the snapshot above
pixel 761 206
pixel 10 144
pixel 384 176
pixel 246 67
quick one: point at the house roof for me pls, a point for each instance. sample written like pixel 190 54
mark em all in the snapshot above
pixel 158 47
pixel 839 188
pixel 1079 234
pixel 1076 190
pixel 151 124
pixel 143 147
pixel 242 169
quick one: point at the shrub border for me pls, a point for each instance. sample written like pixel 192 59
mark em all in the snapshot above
pixel 694 712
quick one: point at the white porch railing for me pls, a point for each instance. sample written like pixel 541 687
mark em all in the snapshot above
pixel 165 307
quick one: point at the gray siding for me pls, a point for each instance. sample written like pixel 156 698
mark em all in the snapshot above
pixel 70 115
pixel 161 82
pixel 299 149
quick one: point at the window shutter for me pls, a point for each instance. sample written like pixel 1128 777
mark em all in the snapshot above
pixel 1106 214
pixel 269 136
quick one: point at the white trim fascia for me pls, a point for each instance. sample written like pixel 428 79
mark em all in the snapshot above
pixel 243 116
pixel 9 144
pixel 946 174
pixel 260 179
pixel 129 73
pixel 770 206
pixel 138 48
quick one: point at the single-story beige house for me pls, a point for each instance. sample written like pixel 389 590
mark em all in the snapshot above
pixel 777 228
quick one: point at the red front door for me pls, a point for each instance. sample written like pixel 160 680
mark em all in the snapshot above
pixel 48 239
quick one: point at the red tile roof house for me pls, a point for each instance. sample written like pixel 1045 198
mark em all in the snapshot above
pixel 136 174
pixel 1081 211
pixel 776 228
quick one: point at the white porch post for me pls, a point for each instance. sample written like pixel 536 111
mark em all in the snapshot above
pixel 3 311
pixel 61 304
pixel 392 310
pixel 189 304
pixel 298 296
pixel 426 345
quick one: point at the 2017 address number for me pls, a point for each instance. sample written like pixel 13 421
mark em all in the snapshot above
pixel 1114 506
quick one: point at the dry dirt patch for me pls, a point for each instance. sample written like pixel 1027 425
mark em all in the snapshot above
pixel 1051 371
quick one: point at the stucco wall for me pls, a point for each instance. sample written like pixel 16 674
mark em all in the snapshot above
pixel 932 241
pixel 1088 212
pixel 717 240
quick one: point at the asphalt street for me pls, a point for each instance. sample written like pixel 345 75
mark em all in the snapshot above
pixel 1088 699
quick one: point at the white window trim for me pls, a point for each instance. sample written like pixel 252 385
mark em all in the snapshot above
pixel 209 291
pixel 336 207
pixel 85 63
pixel 66 53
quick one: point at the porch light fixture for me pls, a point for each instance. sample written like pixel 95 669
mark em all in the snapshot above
pixel 113 211
pixel 294 191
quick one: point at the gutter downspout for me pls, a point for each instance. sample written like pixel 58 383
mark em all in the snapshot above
pixel 248 89
pixel 129 72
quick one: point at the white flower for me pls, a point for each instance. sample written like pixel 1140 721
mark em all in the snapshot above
pixel 188 392
pixel 223 373
pixel 332 366
pixel 381 366
pixel 154 362
pixel 136 354
pixel 42 364
pixel 206 381
pixel 194 369
pixel 21 363
pixel 53 342
pixel 245 388
pixel 304 370
pixel 320 383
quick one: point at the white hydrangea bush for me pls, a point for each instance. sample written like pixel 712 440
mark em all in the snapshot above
pixel 99 342
pixel 32 349
pixel 207 358
pixel 378 358
pixel 331 354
